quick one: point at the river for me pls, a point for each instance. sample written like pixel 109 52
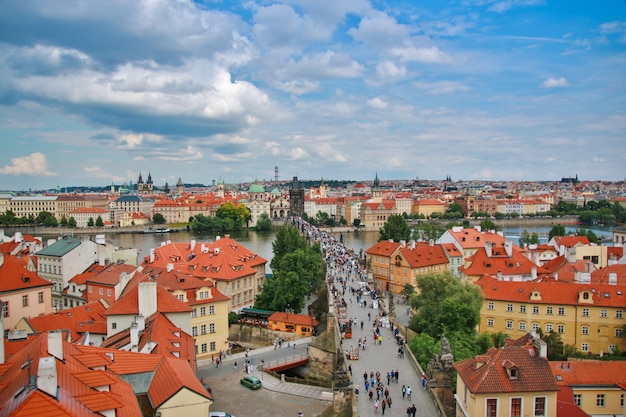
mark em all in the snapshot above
pixel 261 242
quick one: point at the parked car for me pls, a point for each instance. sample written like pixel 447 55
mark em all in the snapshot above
pixel 251 382
pixel 219 414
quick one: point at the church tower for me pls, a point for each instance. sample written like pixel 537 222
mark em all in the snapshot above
pixel 377 194
pixel 149 188
pixel 220 188
pixel 180 187
pixel 140 184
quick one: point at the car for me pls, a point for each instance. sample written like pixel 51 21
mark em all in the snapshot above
pixel 251 382
pixel 220 414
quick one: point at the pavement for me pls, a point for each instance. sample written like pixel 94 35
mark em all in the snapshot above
pixel 384 358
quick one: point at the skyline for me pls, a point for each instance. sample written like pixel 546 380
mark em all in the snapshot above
pixel 95 93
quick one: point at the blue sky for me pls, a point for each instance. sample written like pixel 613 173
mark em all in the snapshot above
pixel 95 92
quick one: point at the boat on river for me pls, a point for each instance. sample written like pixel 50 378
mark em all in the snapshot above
pixel 157 230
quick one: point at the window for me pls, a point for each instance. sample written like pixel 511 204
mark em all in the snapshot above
pixel 516 407
pixel 584 347
pixel 203 329
pixel 90 289
pixel 560 329
pixel 549 327
pixel 522 308
pixel 611 349
pixel 585 312
pixel 618 314
pixel 509 307
pixel 621 400
pixel 212 346
pixel 40 297
pixel 114 326
pixel 108 292
pixel 561 311
pixel 203 348
pixel 535 326
pixel 600 400
pixel 618 332
pixel 535 309
pixel 5 309
pixel 491 407
pixel 100 291
pixel 540 406
pixel 211 309
pixel 490 305
pixel 509 324
pixel 489 322
pixel 578 399
pixel 584 330
pixel 522 325
pixel 604 313
pixel 25 300
pixel 194 312
pixel 203 311
pixel 212 328
pixel 549 310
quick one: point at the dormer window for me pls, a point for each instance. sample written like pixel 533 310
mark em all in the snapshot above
pixel 511 369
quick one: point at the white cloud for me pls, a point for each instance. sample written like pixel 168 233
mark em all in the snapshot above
pixel 377 103
pixel 554 83
pixel 442 87
pixel 505 5
pixel 34 164
pixel 427 55
pixel 380 29
pixel 389 71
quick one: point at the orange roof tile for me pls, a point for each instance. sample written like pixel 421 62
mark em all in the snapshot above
pixel 589 372
pixel 128 303
pixel 383 248
pixel 470 238
pixel 16 277
pixel 299 319
pixel 423 255
pixel 487 373
pixel 77 320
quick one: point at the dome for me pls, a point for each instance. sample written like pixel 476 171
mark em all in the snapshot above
pixel 256 188
pixel 275 191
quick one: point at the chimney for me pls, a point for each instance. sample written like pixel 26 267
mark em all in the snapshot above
pixel 134 337
pixel 612 278
pixel 55 344
pixel 403 243
pixel 508 248
pixel 533 272
pixel 489 249
pixel 571 255
pixel 542 347
pixel 412 244
pixel 152 253
pixel 535 259
pixel 170 267
pixel 217 238
pixel 499 275
pixel 192 244
pixel 555 275
pixel 147 298
pixel 1 259
pixel 47 375
pixel 431 243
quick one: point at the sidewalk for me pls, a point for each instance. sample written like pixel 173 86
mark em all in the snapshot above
pixel 383 358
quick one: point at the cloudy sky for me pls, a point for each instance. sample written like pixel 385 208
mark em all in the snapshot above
pixel 95 92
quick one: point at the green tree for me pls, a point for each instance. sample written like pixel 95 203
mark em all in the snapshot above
pixel 395 228
pixel 233 217
pixel 356 223
pixel 528 239
pixel 264 223
pixel 71 222
pixel 99 222
pixel 555 346
pixel 445 304
pixel 288 239
pixel 307 265
pixel 63 221
pixel 557 230
pixel 488 224
pixel 428 231
pixel 46 218
pixel 593 238
pixel 90 222
pixel 408 290
pixel 158 218
pixel 454 211
pixel 424 348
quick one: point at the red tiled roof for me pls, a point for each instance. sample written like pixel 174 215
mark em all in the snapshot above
pixel 16 277
pixel 601 276
pixel 383 248
pixel 566 407
pixel 551 292
pixel 589 372
pixel 128 303
pixel 174 281
pixel 224 260
pixel 487 373
pixel 471 238
pixel 77 320
pixel 299 319
pixel 111 274
pixel 571 241
pixel 499 262
pixel 423 255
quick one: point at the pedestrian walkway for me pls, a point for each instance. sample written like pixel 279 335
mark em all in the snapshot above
pixel 383 358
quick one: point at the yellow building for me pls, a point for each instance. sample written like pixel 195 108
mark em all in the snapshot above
pixel 514 380
pixel 588 316
pixel 427 207
pixel 300 324
pixel 379 262
pixel 597 387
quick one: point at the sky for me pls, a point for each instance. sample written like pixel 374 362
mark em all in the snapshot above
pixel 93 93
